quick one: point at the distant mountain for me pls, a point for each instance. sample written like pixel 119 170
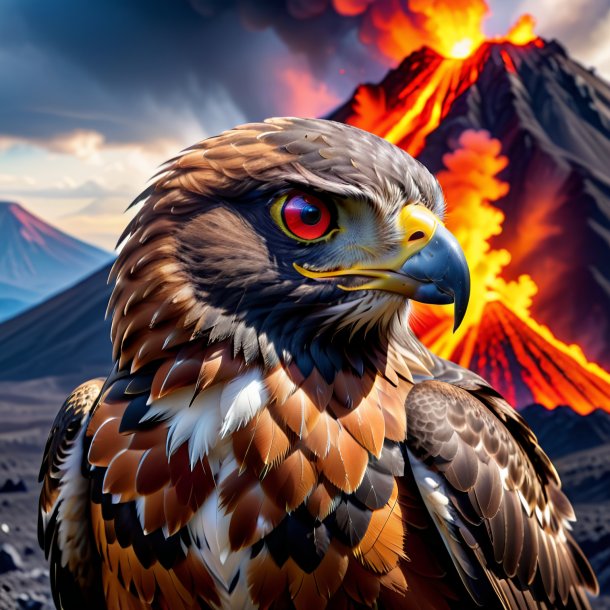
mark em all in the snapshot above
pixel 65 335
pixel 37 260
pixel 562 430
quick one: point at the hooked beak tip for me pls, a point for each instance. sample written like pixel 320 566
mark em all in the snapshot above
pixel 459 314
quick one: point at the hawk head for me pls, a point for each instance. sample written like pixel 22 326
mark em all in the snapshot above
pixel 289 238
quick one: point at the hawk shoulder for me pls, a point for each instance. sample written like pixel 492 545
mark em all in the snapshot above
pixel 495 499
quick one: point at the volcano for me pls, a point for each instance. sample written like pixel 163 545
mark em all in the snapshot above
pixel 37 260
pixel 552 119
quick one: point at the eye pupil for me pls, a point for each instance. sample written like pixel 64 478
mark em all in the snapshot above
pixel 310 214
pixel 306 217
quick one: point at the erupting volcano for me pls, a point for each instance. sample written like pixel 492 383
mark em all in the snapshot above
pixel 518 135
pixel 499 338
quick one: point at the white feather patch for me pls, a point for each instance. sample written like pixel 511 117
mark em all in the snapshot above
pixel 201 419
pixel 140 505
pixel 209 529
pixel 241 399
pixel 167 406
pixel 206 428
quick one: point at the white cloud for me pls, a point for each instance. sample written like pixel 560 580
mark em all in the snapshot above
pixel 83 144
pixel 82 183
pixel 64 188
pixel 582 26
pixel 102 226
pixel 16 181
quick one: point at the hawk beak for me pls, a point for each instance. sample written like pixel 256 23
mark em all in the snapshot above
pixel 430 266
pixel 438 274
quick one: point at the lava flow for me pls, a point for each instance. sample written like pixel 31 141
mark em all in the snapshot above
pixel 498 337
pixel 454 34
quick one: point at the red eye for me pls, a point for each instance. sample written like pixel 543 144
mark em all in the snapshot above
pixel 306 217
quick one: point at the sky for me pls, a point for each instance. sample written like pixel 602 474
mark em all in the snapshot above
pixel 95 95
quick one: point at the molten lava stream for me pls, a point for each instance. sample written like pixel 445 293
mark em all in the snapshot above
pixel 448 80
pixel 551 373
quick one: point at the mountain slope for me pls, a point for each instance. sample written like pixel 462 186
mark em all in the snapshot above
pixel 553 119
pixel 519 358
pixel 65 335
pixel 37 260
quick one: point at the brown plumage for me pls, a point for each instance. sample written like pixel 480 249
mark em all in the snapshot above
pixel 272 434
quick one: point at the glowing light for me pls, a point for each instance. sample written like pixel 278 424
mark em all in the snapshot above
pixel 452 28
pixel 522 32
pixel 462 48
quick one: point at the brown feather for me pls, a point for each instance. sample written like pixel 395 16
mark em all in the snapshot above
pixel 317 390
pixel 365 423
pixel 350 389
pixel 279 386
pixel 218 365
pixel 254 516
pixel 393 408
pixel 290 482
pixel 107 442
pixel 154 512
pixel 323 500
pixel 107 408
pixel 324 435
pixel 260 443
pixel 120 477
pixel 193 572
pixel 360 584
pixel 394 580
pixel 233 486
pixel 148 438
pixel 177 515
pixel 299 413
pixel 346 462
pixel 153 471
pixel 314 590
pixel 383 543
pixel 182 373
pixel 266 580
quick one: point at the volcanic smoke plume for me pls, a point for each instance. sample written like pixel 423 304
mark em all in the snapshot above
pixel 518 135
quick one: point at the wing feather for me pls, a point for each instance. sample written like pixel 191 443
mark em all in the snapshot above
pixel 62 525
pixel 502 497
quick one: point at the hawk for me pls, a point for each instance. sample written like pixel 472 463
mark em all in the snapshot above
pixel 272 434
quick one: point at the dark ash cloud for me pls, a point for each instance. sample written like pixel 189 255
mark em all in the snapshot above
pixel 139 71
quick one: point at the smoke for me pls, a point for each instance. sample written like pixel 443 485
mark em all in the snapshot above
pixel 395 28
pixel 391 29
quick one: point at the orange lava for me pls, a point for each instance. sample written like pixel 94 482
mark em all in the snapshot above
pixel 423 101
pixel 523 360
pixel 453 28
pixel 498 338
pixel 522 32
